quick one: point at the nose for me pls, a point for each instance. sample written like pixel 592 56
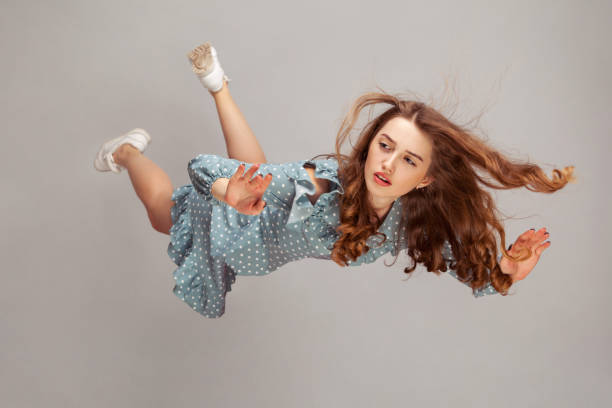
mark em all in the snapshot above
pixel 387 165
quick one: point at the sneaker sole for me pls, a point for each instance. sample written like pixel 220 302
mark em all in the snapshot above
pixel 208 64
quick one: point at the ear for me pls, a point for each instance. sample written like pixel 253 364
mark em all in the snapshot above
pixel 427 180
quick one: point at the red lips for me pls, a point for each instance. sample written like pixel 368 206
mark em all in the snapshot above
pixel 379 181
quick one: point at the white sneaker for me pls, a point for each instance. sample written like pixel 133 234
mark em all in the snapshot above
pixel 139 138
pixel 206 66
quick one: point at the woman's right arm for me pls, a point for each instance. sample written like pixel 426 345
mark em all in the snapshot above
pixel 288 189
pixel 242 191
pixel 238 190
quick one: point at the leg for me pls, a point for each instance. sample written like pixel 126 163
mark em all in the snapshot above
pixel 151 183
pixel 240 141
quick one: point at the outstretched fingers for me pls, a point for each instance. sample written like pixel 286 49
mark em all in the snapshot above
pixel 538 245
pixel 536 237
pixel 259 182
pixel 265 181
pixel 532 239
pixel 249 174
pixel 541 248
pixel 239 171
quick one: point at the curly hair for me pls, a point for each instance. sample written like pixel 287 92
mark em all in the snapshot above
pixel 454 209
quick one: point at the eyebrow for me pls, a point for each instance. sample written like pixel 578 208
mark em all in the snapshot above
pixel 407 151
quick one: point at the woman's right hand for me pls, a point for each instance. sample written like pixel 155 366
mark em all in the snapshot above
pixel 244 193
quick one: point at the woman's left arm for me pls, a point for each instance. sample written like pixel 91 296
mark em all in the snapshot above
pixel 447 253
pixel 531 239
pixel 517 270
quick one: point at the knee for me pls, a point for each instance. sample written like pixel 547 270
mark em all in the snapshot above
pixel 160 223
pixel 164 229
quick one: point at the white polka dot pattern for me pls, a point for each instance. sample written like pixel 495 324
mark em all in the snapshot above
pixel 211 242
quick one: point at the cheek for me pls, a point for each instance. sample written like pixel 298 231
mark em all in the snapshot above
pixel 370 159
pixel 373 155
pixel 406 182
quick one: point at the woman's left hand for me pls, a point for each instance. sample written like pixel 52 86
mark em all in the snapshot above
pixel 529 239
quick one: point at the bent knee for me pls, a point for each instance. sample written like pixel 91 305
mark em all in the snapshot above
pixel 161 220
pixel 163 228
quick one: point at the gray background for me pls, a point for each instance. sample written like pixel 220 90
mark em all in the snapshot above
pixel 88 317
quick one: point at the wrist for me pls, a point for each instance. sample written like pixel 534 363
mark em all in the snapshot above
pixel 219 188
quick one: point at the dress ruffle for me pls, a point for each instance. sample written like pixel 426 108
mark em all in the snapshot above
pixel 302 208
pixel 181 236
pixel 201 282
pixel 203 176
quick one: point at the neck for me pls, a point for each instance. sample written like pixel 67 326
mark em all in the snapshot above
pixel 381 206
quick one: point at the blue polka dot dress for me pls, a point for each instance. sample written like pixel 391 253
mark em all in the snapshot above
pixel 211 242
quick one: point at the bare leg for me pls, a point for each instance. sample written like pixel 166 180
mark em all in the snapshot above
pixel 240 141
pixel 151 183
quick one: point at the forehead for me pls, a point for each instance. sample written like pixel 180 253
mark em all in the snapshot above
pixel 406 136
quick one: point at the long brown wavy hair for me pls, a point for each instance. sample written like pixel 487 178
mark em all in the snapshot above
pixel 454 208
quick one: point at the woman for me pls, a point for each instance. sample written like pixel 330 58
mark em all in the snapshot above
pixel 409 183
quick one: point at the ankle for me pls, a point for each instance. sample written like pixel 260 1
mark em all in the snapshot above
pixel 221 91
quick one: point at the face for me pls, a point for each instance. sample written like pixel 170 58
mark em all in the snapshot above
pixel 402 153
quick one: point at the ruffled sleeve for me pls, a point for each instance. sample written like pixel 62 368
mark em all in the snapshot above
pixel 227 225
pixel 288 190
pixel 300 206
pixel 205 169
pixel 488 289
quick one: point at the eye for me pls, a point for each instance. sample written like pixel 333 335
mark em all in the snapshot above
pixel 384 146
